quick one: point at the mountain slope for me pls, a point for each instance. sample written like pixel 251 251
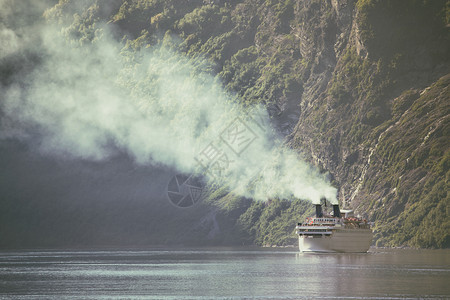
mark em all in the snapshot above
pixel 359 88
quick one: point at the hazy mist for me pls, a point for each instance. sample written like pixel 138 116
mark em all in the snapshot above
pixel 97 100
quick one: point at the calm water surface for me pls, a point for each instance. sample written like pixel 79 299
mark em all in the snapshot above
pixel 224 274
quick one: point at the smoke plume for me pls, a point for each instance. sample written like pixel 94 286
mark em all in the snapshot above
pixel 96 99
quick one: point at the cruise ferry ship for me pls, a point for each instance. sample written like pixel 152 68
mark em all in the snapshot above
pixel 339 232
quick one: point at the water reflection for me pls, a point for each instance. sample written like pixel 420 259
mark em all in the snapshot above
pixel 381 273
pixel 223 274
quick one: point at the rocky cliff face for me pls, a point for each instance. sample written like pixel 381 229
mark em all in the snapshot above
pixel 377 117
pixel 360 88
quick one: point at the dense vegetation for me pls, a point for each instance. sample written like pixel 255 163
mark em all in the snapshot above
pixel 360 88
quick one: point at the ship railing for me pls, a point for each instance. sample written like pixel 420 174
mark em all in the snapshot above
pixel 314 233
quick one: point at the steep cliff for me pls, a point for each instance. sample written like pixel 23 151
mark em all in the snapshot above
pixel 359 88
pixel 380 124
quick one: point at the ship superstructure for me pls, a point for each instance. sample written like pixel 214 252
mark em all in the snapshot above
pixel 340 231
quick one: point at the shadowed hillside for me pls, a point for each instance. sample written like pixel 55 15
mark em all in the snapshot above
pixel 358 88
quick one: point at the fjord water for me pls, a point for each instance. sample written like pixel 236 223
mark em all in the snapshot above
pixel 223 274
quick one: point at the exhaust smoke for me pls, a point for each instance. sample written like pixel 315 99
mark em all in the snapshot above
pixel 161 107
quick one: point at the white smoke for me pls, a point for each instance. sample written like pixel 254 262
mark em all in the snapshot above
pixel 160 107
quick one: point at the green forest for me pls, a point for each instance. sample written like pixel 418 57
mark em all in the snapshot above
pixel 359 88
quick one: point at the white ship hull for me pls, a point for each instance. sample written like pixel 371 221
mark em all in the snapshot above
pixel 341 240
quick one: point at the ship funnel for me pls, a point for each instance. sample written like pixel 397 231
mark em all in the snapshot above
pixel 319 213
pixel 336 211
